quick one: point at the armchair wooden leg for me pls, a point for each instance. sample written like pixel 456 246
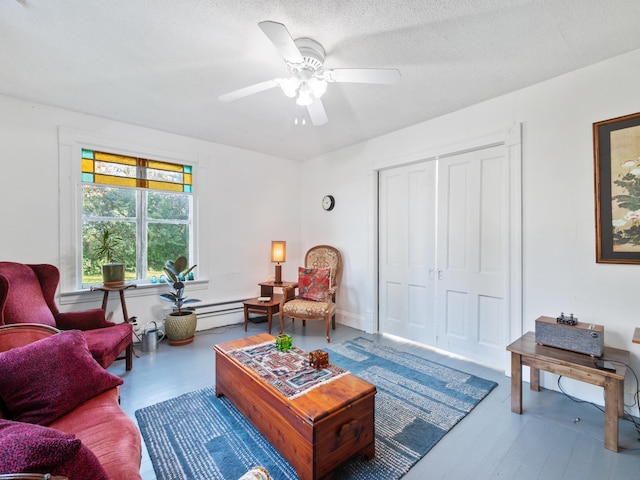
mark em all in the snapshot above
pixel 326 328
pixel 129 357
pixel 333 322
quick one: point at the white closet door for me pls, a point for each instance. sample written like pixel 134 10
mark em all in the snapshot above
pixel 473 254
pixel 407 251
pixel 444 260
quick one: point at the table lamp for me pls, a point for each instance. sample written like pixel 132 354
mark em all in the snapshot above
pixel 278 254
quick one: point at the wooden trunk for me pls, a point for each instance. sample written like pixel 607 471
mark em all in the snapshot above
pixel 317 431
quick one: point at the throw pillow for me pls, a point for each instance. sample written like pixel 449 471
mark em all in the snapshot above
pixel 313 283
pixel 48 378
pixel 256 473
pixel 30 448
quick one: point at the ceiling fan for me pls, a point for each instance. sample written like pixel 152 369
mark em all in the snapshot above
pixel 308 79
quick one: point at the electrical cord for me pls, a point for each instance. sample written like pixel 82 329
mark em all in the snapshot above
pixel 636 395
pixel 627 416
pixel 218 330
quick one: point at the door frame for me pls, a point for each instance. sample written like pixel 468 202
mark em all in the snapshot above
pixel 511 139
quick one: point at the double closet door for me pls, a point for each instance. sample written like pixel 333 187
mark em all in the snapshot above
pixel 444 253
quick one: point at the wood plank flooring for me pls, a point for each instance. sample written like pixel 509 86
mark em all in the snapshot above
pixel 546 442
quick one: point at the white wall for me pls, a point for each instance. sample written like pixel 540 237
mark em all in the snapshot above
pixel 243 206
pixel 560 272
pixel 245 209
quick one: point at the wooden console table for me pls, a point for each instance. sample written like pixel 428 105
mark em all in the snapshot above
pixel 525 351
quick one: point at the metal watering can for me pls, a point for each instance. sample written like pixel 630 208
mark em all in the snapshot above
pixel 151 338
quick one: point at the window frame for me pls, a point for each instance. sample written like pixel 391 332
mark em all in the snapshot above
pixel 70 145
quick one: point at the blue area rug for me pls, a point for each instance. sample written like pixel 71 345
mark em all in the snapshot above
pixel 198 436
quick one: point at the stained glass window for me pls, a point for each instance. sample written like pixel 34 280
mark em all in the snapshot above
pixel 148 204
pixel 124 171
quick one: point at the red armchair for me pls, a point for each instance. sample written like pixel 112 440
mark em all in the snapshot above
pixel 27 295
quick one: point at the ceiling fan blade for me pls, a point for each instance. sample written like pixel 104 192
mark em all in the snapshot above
pixel 317 113
pixel 281 38
pixel 250 90
pixel 384 76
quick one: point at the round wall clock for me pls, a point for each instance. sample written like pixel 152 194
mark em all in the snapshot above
pixel 328 202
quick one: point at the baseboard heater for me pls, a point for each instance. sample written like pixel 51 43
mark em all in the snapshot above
pixel 211 309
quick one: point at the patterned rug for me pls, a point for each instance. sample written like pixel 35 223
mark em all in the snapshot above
pixel 288 372
pixel 198 436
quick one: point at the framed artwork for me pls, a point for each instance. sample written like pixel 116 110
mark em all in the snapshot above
pixel 616 144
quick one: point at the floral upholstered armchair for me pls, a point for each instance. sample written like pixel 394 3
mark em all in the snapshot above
pixel 318 282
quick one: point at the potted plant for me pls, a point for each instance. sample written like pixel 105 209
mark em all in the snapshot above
pixel 108 248
pixel 180 324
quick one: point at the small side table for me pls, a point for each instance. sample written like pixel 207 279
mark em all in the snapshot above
pixel 117 288
pixel 266 288
pixel 269 308
pixel 266 308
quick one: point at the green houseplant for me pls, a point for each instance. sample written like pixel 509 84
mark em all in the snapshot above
pixel 180 324
pixel 108 247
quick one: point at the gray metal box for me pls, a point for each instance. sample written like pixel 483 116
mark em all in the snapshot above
pixel 581 338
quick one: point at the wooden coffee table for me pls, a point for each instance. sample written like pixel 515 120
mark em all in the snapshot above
pixel 317 431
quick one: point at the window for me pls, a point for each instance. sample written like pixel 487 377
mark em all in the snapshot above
pixel 147 203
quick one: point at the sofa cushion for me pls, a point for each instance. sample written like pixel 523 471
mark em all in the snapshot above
pixel 108 432
pixel 313 283
pixel 307 308
pixel 48 378
pixel 105 344
pixel 28 448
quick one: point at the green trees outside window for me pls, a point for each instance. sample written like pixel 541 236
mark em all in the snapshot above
pixel 154 226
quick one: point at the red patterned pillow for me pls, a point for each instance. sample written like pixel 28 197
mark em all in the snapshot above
pixel 28 448
pixel 46 379
pixel 313 283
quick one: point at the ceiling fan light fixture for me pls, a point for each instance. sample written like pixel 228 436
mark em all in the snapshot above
pixel 290 86
pixel 307 81
pixel 318 86
pixel 305 95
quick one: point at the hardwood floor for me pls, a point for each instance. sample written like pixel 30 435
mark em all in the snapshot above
pixel 546 442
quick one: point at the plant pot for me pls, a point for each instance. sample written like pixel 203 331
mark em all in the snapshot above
pixel 113 274
pixel 180 328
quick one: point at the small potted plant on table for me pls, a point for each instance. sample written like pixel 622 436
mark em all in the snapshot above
pixel 180 324
pixel 109 247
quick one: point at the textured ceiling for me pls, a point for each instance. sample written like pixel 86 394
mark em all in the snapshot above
pixel 163 63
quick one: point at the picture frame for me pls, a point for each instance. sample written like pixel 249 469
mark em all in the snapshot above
pixel 616 145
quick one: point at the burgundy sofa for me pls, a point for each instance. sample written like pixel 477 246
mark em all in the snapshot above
pixel 27 295
pixel 98 422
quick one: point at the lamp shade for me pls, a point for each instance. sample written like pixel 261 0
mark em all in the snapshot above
pixel 290 86
pixel 278 251
pixel 318 86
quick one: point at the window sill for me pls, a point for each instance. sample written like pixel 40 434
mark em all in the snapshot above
pixel 86 295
